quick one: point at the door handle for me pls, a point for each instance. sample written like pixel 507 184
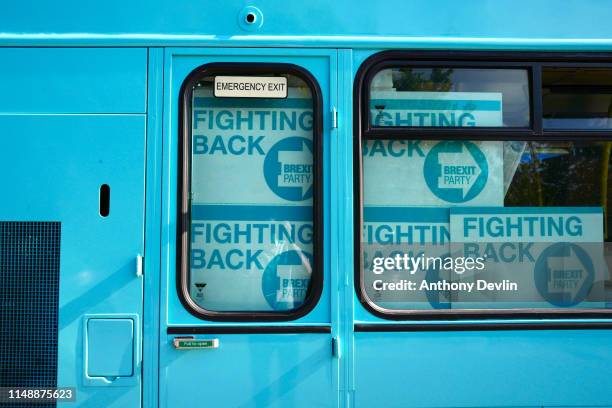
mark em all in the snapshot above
pixel 191 343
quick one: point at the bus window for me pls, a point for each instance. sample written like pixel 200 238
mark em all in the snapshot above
pixel 486 224
pixel 577 98
pixel 250 194
pixel 449 97
pixel 485 221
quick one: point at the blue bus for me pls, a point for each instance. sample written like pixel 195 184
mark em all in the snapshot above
pixel 319 204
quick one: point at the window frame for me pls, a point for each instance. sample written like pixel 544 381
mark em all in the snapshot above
pixel 183 237
pixel 363 130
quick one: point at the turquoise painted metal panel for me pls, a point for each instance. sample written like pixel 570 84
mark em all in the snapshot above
pixel 73 80
pixel 342 231
pixel 483 369
pixel 55 167
pixel 352 22
pixel 110 347
pixel 250 370
pixel 152 265
pixel 257 369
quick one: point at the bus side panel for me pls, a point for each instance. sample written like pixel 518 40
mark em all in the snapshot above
pixel 73 80
pixel 250 370
pixel 72 120
pixel 63 160
pixel 483 369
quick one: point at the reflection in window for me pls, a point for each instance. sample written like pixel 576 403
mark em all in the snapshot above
pixel 450 97
pixel 577 98
pixel 561 174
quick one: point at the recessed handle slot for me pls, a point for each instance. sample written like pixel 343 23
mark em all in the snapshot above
pixel 104 200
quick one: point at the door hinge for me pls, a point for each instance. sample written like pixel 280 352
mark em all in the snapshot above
pixel 139 262
pixel 334 118
pixel 335 344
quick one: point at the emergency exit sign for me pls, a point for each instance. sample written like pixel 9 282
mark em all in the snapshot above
pixel 250 87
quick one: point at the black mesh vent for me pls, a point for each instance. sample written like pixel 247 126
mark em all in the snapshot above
pixel 29 292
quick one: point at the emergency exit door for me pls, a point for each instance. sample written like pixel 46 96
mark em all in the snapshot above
pixel 247 313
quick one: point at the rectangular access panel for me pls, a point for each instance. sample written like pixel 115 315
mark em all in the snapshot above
pixel 73 80
pixel 247 303
pixel 110 347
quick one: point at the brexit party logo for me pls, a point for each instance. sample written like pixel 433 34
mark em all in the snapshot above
pixel 564 274
pixel 286 280
pixel 288 169
pixel 456 171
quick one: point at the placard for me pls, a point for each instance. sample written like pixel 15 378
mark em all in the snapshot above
pixel 553 254
pixel 433 173
pixel 436 109
pixel 251 195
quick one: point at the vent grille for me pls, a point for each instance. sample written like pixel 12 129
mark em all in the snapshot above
pixel 29 296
